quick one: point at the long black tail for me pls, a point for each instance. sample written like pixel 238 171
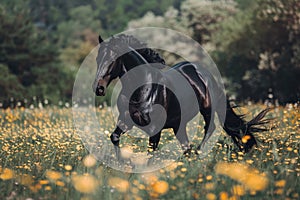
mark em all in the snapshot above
pixel 241 131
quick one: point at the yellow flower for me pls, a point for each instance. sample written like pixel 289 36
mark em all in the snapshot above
pixel 35 188
pixel 209 177
pixel 85 198
pixel 209 186
pixel 47 188
pixel 289 149
pixel 60 183
pixel 68 167
pixel 249 161
pixel 249 177
pixel 183 169
pixel 172 166
pixel 43 182
pixel 234 197
pixel 238 190
pixel 223 196
pixel 280 183
pixel 139 158
pixel 278 191
pixel 89 161
pixel 53 175
pixel 126 152
pixel 85 183
pixel 7 174
pixel 245 138
pixel 25 179
pixel 150 178
pixel 211 196
pixel 119 183
pixel 160 187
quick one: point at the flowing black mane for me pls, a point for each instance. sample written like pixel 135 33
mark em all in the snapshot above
pixel 149 54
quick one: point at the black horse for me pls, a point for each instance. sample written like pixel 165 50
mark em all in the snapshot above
pixel 138 108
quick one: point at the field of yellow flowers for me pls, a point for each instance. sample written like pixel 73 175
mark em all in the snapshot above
pixel 41 157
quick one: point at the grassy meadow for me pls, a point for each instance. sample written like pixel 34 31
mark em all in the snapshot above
pixel 41 157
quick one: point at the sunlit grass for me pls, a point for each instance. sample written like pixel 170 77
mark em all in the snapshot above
pixel 42 157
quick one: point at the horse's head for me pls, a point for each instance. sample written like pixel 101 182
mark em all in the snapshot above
pixel 117 52
pixel 108 67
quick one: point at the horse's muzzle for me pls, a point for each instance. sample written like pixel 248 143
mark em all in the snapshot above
pixel 100 91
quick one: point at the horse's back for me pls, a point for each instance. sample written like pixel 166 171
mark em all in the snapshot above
pixel 193 70
pixel 199 78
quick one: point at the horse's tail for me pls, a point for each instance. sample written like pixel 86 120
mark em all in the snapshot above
pixel 241 131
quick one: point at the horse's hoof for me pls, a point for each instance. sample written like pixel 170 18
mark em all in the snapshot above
pixel 198 152
pixel 115 139
pixel 187 152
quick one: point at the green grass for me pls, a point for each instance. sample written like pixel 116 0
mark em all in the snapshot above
pixel 42 157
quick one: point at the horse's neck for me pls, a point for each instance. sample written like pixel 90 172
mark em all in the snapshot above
pixel 133 59
pixel 139 76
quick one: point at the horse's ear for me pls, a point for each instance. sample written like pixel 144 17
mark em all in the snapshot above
pixel 100 39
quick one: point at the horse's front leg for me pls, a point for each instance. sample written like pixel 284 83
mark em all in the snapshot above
pixel 123 124
pixel 154 141
pixel 120 129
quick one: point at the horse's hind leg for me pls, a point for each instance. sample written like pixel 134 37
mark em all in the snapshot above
pixel 180 133
pixel 209 127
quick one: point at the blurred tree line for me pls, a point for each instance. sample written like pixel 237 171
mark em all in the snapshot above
pixel 254 43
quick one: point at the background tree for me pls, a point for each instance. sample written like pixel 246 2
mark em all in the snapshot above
pixel 27 58
pixel 258 50
pixel 198 19
pixel 42 43
pixel 254 43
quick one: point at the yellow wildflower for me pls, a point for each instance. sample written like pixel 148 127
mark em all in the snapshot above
pixel 53 175
pixel 160 187
pixel 68 167
pixel 119 183
pixel 242 173
pixel 7 174
pixel 223 196
pixel 211 196
pixel 89 161
pixel 280 183
pixel 85 183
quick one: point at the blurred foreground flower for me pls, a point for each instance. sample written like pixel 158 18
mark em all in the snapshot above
pixel 126 152
pixel 251 178
pixel 280 183
pixel 160 187
pixel 119 183
pixel 68 167
pixel 53 175
pixel 89 161
pixel 7 174
pixel 85 183
pixel 25 179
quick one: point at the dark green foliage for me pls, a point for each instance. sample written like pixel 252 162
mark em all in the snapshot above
pixel 29 62
pixel 258 50
pixel 254 43
pixel 42 43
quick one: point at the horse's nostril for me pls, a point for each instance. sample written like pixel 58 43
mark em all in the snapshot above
pixel 101 88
